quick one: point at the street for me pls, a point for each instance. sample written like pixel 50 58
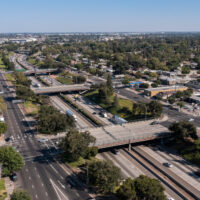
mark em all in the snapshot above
pixel 43 176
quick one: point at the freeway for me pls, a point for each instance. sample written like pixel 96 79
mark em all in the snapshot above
pixel 13 59
pixel 43 176
pixel 81 123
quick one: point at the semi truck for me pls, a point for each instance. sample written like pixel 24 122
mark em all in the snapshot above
pixel 70 113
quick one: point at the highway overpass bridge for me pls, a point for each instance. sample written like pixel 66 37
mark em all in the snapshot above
pixel 60 88
pixel 39 71
pixel 116 135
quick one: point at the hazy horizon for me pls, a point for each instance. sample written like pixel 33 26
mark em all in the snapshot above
pixel 67 16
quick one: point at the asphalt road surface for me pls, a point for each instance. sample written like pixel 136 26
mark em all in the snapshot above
pixel 43 176
pixel 173 115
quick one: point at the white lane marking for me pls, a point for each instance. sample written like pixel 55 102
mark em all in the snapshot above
pixel 29 178
pixel 33 186
pixel 77 194
pixel 61 184
pixel 53 168
pixel 59 193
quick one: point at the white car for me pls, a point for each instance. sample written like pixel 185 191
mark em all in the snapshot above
pixel 191 120
pixel 43 140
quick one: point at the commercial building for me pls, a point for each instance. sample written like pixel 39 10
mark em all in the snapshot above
pixel 164 90
pixel 172 81
pixel 135 83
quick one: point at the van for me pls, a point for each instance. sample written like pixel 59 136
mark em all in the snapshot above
pixel 2 119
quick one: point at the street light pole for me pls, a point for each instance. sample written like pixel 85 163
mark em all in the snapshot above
pixel 145 112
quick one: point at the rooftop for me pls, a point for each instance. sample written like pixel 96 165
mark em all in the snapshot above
pixel 167 88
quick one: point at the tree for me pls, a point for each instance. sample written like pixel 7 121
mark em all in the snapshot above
pixel 11 160
pixel 104 175
pixel 127 190
pixel 185 70
pixel 109 85
pixel 171 99
pixel 155 108
pixel 180 104
pixel 148 188
pixel 21 79
pixel 144 85
pixel 20 195
pixel 154 85
pixel 3 127
pixel 138 74
pixel 25 93
pixel 51 121
pixel 91 152
pixel 79 79
pixel 76 144
pixel 126 80
pixel 182 130
pixel 116 102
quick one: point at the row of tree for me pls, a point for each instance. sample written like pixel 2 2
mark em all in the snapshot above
pixel 10 65
pixel 51 121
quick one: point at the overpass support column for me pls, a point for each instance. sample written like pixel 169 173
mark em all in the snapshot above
pixel 129 146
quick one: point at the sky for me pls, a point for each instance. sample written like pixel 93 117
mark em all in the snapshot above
pixel 99 15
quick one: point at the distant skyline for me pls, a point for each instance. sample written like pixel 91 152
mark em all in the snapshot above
pixel 99 16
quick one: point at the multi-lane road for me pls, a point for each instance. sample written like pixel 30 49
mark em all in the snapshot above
pixel 43 176
pixel 173 115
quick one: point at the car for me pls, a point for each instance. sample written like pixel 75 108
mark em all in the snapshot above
pixel 43 140
pixel 115 151
pixel 154 123
pixel 191 120
pixel 14 177
pixel 197 173
pixel 94 113
pixel 8 139
pixel 170 198
pixel 166 164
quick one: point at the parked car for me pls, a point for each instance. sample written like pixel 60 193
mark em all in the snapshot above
pixel 191 120
pixel 43 140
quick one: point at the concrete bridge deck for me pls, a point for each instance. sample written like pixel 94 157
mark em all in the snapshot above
pixel 61 88
pixel 116 135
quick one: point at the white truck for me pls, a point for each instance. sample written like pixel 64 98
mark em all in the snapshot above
pixel 2 119
pixel 104 114
pixel 119 120
pixel 70 113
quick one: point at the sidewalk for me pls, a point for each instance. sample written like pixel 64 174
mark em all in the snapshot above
pixel 9 187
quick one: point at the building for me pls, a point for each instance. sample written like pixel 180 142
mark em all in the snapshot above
pixel 164 90
pixel 135 83
pixel 172 81
pixel 22 40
